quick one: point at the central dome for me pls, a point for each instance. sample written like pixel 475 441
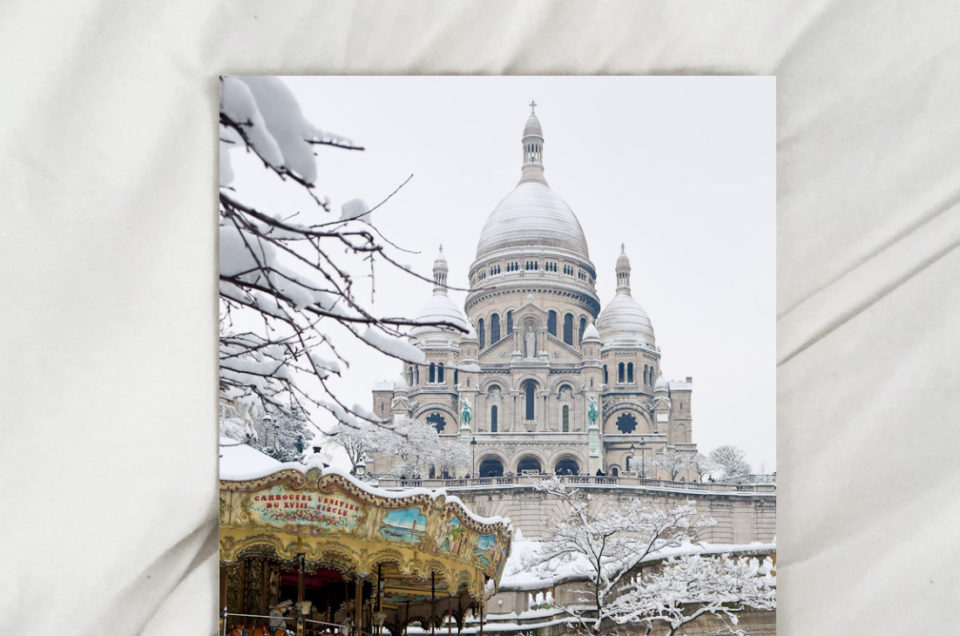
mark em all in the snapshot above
pixel 532 215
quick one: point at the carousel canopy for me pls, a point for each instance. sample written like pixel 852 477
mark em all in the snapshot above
pixel 429 554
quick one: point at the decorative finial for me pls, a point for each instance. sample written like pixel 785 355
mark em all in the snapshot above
pixel 441 248
pixel 533 106
pixel 623 248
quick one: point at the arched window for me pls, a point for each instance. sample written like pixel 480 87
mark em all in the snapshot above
pixel 615 471
pixel 410 376
pixel 629 372
pixel 481 334
pixel 494 329
pixel 437 421
pixel 626 423
pixel 646 374
pixel 440 373
pixel 620 373
pixel 552 322
pixel 493 419
pixel 568 329
pixel 566 418
pixel 456 377
pixel 510 322
pixel 490 468
pixel 529 392
pixel 433 372
pixel 583 327
pixel 528 463
pixel 606 376
pixel 416 375
pixel 567 466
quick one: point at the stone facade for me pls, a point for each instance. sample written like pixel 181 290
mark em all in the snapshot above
pixel 539 351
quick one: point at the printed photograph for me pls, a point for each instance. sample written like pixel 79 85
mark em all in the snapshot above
pixel 497 354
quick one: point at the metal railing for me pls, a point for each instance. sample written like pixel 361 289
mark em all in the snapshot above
pixel 591 480
pixel 311 627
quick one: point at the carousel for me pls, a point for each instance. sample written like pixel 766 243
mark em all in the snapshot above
pixel 315 551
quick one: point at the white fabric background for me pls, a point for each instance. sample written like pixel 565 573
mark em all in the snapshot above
pixel 107 268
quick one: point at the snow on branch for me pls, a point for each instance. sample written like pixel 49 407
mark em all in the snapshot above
pixel 288 291
pixel 641 564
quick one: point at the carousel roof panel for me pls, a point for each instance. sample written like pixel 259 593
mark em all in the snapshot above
pixel 332 518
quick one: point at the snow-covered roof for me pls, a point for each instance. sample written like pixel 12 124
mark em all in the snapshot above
pixel 240 461
pixel 314 461
pixel 662 384
pixel 440 308
pixel 624 322
pixel 591 333
pixel 532 215
pixel 681 385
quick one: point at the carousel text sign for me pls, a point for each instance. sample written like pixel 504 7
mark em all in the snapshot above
pixel 281 506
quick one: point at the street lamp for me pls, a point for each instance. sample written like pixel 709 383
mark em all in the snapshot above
pixel 267 422
pixel 643 458
pixel 473 456
pixel 361 468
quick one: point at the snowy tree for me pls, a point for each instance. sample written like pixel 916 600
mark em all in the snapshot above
pixel 421 449
pixel 672 462
pixel 359 441
pixel 684 588
pixel 236 422
pixel 285 436
pixel 703 465
pixel 417 445
pixel 287 283
pixel 732 461
pixel 606 542
pixel 610 544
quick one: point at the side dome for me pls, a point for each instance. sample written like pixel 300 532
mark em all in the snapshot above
pixel 623 321
pixel 439 308
pixel 532 214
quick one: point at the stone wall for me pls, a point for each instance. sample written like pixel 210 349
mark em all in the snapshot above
pixel 741 517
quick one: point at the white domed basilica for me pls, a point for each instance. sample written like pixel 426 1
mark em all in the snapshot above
pixel 546 378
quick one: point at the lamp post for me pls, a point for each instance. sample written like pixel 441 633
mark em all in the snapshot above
pixel 643 458
pixel 268 423
pixel 473 456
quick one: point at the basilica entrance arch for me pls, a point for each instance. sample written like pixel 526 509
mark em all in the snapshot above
pixel 567 466
pixel 491 467
pixel 529 463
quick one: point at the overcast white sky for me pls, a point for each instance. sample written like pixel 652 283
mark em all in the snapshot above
pixel 680 169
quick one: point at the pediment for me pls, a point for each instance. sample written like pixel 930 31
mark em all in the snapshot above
pixel 559 351
pixel 530 310
pixel 500 352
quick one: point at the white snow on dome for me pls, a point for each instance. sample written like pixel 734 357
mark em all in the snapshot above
pixel 661 384
pixel 591 333
pixel 623 321
pixel 439 308
pixel 532 127
pixel 532 214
